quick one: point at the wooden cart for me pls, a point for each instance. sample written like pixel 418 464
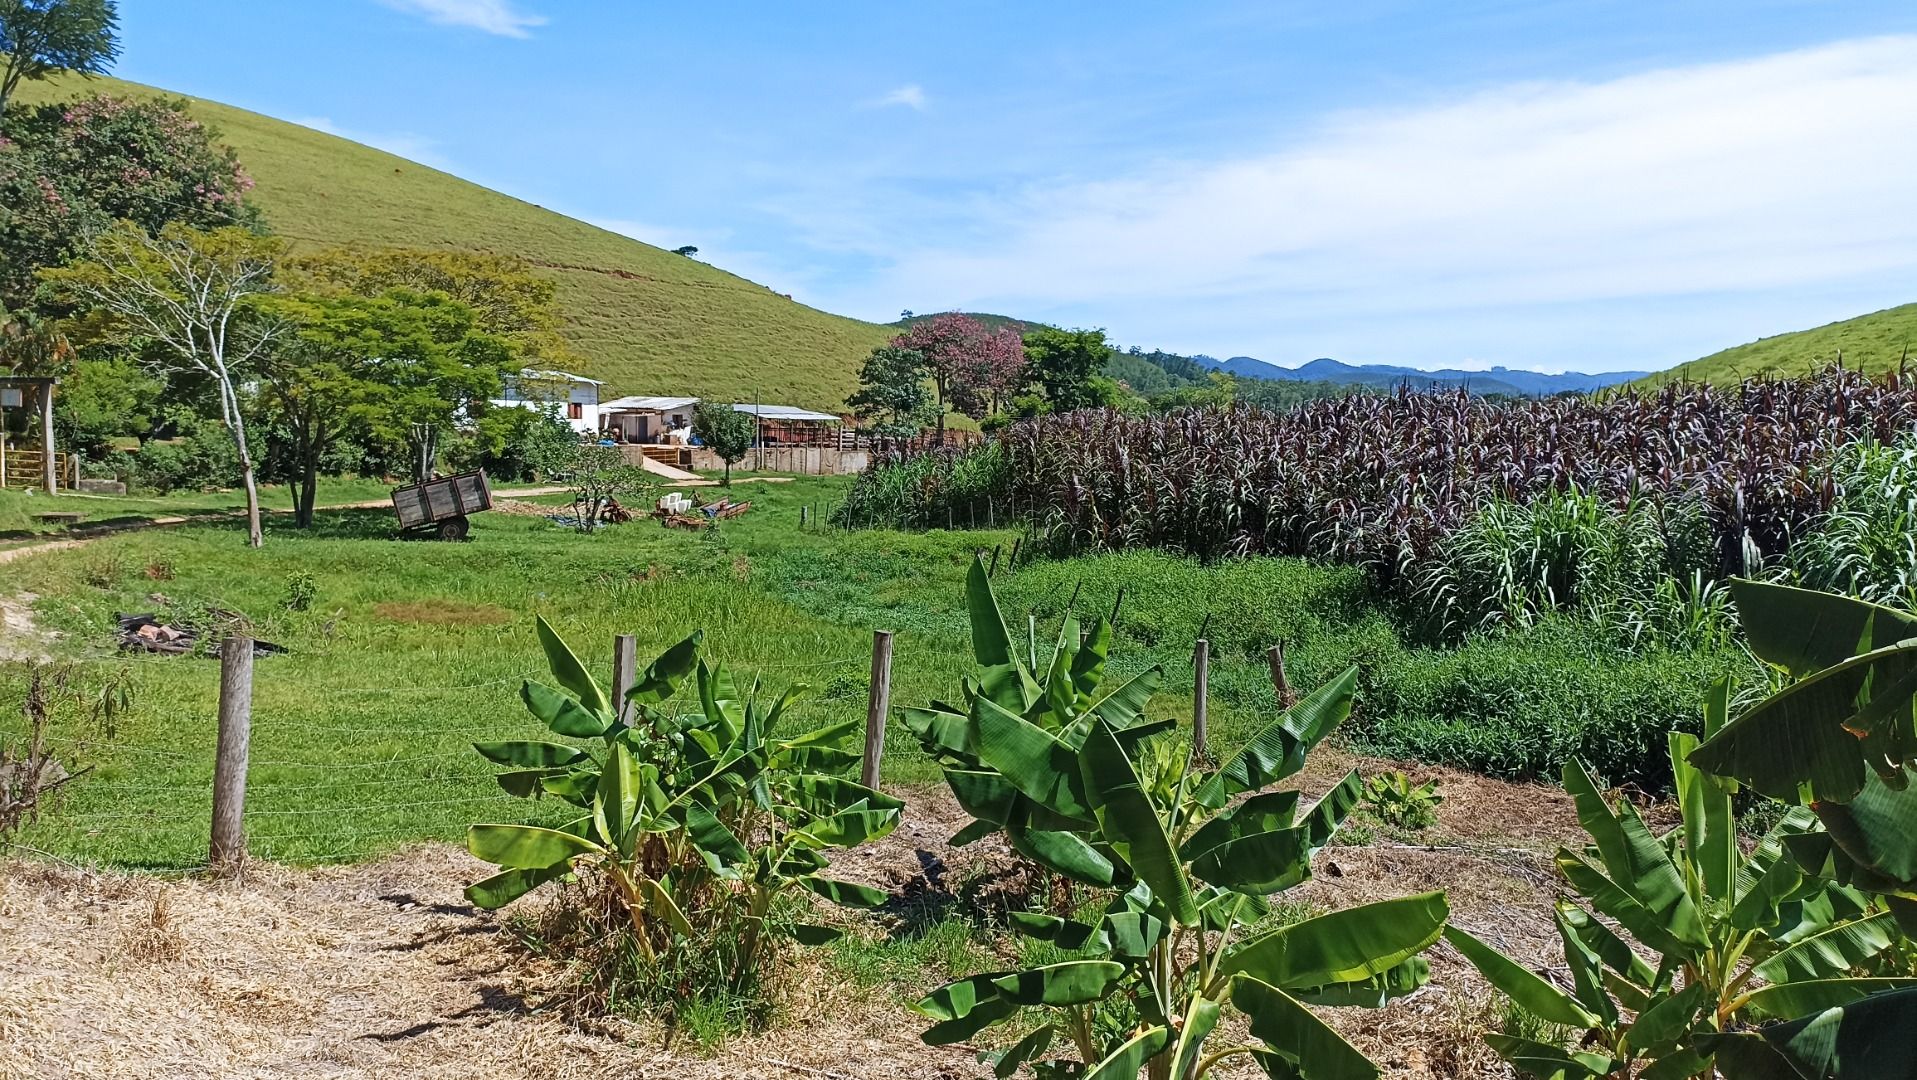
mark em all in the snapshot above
pixel 440 506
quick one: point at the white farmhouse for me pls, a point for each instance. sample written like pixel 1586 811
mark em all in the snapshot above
pixel 574 397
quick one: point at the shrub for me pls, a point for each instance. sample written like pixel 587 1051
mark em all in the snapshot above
pixel 1521 704
pixel 689 829
pixel 302 588
pixel 202 459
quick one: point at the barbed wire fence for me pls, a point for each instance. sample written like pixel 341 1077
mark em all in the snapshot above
pixel 316 791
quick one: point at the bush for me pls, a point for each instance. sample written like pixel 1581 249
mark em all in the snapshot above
pixel 1521 704
pixel 202 459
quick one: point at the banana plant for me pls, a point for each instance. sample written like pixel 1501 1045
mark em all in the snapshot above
pixel 1737 937
pixel 1063 763
pixel 1840 735
pixel 677 806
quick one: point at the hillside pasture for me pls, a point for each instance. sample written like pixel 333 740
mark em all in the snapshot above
pixel 640 318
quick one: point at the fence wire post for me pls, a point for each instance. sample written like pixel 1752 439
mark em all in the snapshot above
pixel 1201 680
pixel 1280 683
pixel 625 672
pixel 878 704
pixel 227 852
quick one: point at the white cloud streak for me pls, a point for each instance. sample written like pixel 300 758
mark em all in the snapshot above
pixel 492 16
pixel 1787 171
pixel 910 96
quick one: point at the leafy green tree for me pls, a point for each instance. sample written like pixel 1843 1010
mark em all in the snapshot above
pixel 374 367
pixel 70 170
pixel 892 392
pixel 42 37
pixel 507 298
pixel 101 401
pixel 196 298
pixel 726 430
pixel 1065 364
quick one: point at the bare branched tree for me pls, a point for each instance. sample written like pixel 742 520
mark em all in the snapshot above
pixel 191 293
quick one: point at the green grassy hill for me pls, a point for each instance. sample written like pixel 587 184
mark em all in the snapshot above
pixel 1874 342
pixel 642 319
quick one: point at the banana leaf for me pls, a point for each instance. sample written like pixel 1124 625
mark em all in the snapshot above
pixel 1074 982
pixel 1344 946
pixel 568 672
pixel 561 713
pixel 1293 1033
pixel 1278 750
pixel 525 847
pixel 1533 993
pixel 1131 825
pixel 662 677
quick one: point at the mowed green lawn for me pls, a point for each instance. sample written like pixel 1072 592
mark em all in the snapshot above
pixel 412 650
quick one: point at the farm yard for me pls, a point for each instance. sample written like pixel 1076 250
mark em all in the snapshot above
pixel 445 637
pixel 401 655
pixel 408 652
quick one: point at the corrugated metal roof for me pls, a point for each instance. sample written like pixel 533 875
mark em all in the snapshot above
pixel 646 404
pixel 784 412
pixel 556 375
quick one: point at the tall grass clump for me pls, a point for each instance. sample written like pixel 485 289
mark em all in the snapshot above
pixel 1866 543
pixel 939 488
pixel 1643 568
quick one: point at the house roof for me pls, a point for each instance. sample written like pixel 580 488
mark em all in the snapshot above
pixel 784 412
pixel 640 403
pixel 556 375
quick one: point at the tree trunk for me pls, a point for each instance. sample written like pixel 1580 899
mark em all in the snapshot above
pixel 940 383
pixel 308 493
pixel 236 424
pixel 727 482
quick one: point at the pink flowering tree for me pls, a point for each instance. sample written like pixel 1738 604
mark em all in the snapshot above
pixel 974 368
pixel 68 171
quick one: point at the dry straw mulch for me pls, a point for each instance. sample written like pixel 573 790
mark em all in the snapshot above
pixel 383 970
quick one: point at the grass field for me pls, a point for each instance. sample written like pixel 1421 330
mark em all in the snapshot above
pixel 1876 342
pixel 642 319
pixel 411 650
pixel 18 510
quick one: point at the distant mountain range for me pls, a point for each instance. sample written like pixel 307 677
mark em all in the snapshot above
pixel 1498 380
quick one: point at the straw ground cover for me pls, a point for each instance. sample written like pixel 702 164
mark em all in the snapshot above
pixel 380 968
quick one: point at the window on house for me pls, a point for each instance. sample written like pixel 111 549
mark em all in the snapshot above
pixel 575 411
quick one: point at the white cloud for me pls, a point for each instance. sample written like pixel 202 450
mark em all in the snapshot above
pixel 493 16
pixel 406 144
pixel 911 96
pixel 1785 172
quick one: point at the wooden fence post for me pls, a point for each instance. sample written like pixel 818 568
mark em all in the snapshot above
pixel 228 849
pixel 877 706
pixel 1200 690
pixel 1280 684
pixel 625 672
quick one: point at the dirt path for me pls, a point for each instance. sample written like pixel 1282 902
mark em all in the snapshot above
pixel 383 970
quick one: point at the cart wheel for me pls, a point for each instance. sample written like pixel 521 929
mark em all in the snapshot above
pixel 454 528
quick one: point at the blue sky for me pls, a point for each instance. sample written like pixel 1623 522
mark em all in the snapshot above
pixel 1597 185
